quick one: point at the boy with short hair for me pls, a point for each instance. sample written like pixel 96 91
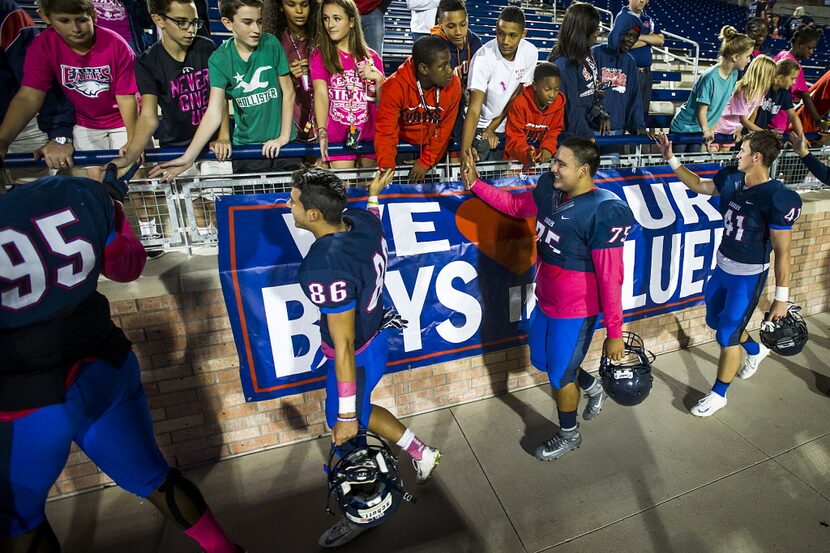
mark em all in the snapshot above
pixel 251 69
pixel 463 43
pixel 779 98
pixel 418 105
pixel 497 73
pixel 173 75
pixel 536 115
pixel 95 68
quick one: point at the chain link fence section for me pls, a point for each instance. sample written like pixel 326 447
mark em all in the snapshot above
pixel 152 209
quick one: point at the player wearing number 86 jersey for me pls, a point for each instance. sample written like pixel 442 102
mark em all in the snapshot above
pixel 580 230
pixel 758 216
pixel 343 274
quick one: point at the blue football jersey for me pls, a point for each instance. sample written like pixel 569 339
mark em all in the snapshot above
pixel 750 213
pixel 567 230
pixel 345 270
pixel 53 232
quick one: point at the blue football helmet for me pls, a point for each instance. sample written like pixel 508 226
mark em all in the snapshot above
pixel 364 480
pixel 786 336
pixel 628 382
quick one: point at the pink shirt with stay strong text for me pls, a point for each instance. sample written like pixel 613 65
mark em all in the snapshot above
pixel 347 96
pixel 90 81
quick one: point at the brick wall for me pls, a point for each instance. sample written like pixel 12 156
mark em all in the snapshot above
pixel 191 371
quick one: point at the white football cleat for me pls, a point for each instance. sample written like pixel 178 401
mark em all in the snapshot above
pixel 424 467
pixel 710 404
pixel 751 362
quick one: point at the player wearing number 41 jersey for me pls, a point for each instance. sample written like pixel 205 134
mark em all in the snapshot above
pixel 343 274
pixel 580 234
pixel 67 373
pixel 758 216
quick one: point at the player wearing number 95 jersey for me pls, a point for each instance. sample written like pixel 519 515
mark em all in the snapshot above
pixel 580 230
pixel 758 216
pixel 343 274
pixel 67 373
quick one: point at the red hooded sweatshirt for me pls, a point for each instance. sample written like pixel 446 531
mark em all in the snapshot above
pixel 527 123
pixel 402 117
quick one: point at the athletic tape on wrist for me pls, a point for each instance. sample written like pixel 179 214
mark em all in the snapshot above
pixel 674 163
pixel 347 404
pixel 782 293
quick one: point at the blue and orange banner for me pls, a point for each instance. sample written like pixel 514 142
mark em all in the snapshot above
pixel 459 271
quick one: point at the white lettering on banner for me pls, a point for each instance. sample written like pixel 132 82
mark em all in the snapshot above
pixel 458 301
pixel 637 202
pixel 410 307
pixel 687 201
pixel 281 329
pixel 658 293
pixel 405 230
pixel 716 246
pixel 629 300
pixel 303 239
pixel 692 262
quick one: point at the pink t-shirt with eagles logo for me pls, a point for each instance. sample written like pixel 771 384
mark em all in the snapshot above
pixel 90 81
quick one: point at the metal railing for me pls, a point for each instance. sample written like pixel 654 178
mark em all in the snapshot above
pixel 182 214
pixel 669 56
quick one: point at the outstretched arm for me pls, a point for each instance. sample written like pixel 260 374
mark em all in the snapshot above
pixel 690 179
pixel 516 205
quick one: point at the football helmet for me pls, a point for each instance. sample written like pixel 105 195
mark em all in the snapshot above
pixel 628 382
pixel 786 336
pixel 364 480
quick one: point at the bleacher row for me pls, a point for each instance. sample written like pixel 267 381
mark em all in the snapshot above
pixel 699 21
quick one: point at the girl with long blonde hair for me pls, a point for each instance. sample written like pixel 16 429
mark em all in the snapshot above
pixel 749 93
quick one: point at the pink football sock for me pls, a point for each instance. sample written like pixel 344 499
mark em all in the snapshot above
pixel 207 533
pixel 410 443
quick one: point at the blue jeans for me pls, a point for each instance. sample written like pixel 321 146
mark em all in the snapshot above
pixel 373 30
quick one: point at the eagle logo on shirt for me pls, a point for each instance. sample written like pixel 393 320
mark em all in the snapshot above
pixel 88 81
pixel 255 83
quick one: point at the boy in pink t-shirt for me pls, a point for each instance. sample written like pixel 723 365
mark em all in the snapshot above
pixel 95 70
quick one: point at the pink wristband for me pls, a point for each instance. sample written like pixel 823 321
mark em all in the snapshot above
pixel 346 389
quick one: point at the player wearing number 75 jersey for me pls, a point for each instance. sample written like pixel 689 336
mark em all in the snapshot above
pixel 758 216
pixel 343 274
pixel 580 234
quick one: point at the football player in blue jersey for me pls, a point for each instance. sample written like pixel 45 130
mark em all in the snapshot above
pixel 580 230
pixel 343 275
pixel 67 373
pixel 758 217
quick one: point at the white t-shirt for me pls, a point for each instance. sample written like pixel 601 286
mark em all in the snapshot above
pixel 423 15
pixel 498 78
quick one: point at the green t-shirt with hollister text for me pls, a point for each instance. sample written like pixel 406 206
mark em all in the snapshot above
pixel 254 88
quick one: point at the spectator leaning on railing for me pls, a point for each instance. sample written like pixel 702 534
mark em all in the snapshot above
pixel 498 72
pixel 536 115
pixel 820 97
pixel 294 23
pixel 713 89
pixel 94 67
pixel 419 106
pixel 50 134
pixel 803 44
pixel 347 77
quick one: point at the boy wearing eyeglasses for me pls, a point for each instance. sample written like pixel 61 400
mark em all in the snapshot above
pixel 95 70
pixel 173 75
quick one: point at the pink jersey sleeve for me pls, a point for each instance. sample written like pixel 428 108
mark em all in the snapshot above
pixel 124 255
pixel 124 64
pixel 38 71
pixel 515 205
pixel 608 267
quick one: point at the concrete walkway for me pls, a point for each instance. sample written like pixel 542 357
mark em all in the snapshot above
pixel 753 478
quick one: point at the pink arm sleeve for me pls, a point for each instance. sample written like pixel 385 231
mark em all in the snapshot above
pixel 608 267
pixel 124 255
pixel 515 205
